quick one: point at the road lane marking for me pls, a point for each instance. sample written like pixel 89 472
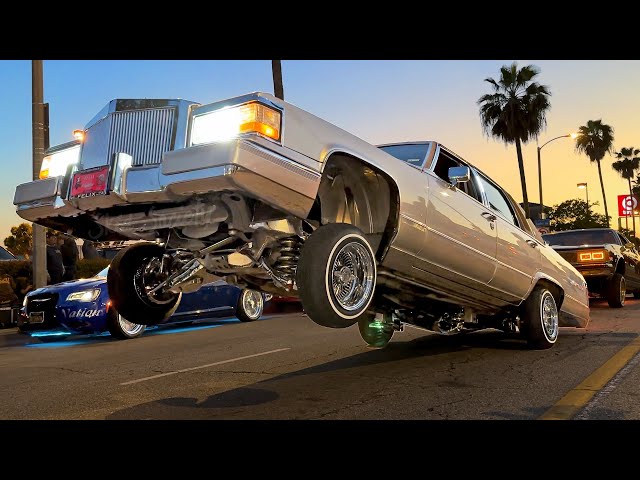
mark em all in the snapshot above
pixel 611 386
pixel 203 366
pixel 569 405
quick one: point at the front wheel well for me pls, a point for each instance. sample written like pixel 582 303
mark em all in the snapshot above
pixel 354 192
pixel 554 288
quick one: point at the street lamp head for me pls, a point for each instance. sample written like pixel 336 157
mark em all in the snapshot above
pixel 573 135
pixel 582 185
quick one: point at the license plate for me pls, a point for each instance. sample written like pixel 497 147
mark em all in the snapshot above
pixel 90 183
pixel 36 317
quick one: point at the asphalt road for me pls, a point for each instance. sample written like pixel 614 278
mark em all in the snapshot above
pixel 286 367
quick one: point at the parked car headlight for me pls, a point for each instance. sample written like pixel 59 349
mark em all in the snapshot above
pixel 227 123
pixel 84 295
pixel 56 164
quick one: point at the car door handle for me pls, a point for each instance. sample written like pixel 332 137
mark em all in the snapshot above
pixel 489 216
pixel 532 243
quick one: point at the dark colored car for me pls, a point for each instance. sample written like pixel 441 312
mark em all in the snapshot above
pixel 606 259
pixel 83 307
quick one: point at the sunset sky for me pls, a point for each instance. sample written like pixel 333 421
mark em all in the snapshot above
pixel 380 101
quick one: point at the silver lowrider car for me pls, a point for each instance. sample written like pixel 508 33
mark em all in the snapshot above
pixel 273 198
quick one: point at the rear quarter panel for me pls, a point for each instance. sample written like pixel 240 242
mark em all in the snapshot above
pixel 575 307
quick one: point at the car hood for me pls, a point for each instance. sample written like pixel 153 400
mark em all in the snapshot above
pixel 71 286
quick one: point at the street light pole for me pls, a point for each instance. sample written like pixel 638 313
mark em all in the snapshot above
pixel 39 247
pixel 572 135
pixel 586 188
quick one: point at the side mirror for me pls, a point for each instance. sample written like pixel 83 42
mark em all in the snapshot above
pixel 630 246
pixel 459 175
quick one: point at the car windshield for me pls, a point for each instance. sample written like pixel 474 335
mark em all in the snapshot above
pixel 4 255
pixel 103 272
pixel 586 237
pixel 411 153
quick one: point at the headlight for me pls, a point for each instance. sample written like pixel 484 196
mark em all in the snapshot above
pixel 55 164
pixel 228 123
pixel 84 295
pixel 600 255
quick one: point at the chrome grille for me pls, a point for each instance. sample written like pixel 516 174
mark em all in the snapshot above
pixel 144 134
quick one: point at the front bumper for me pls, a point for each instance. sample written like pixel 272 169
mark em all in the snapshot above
pixel 276 175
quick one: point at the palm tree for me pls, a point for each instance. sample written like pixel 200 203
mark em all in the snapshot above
pixel 627 164
pixel 276 72
pixel 595 140
pixel 516 111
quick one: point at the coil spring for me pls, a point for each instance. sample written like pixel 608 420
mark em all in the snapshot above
pixel 289 255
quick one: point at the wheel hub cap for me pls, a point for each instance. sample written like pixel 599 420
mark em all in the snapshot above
pixel 252 303
pixel 550 316
pixel 129 327
pixel 352 276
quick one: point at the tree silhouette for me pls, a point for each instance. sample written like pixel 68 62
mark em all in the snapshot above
pixel 515 112
pixel 595 140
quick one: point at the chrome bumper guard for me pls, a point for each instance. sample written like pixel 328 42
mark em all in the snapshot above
pixel 239 165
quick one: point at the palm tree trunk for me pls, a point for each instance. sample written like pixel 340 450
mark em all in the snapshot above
pixel 276 71
pixel 604 198
pixel 632 211
pixel 523 181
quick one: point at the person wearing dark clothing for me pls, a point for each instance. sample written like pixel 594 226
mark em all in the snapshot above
pixel 89 250
pixel 7 290
pixel 55 267
pixel 69 251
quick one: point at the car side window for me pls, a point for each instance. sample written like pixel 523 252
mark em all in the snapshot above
pixel 622 239
pixel 497 201
pixel 444 162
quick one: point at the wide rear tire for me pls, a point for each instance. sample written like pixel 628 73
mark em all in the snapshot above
pixel 126 291
pixel 336 275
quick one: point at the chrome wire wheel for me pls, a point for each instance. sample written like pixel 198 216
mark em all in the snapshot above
pixel 131 329
pixel 623 290
pixel 147 277
pixel 252 304
pixel 352 276
pixel 549 315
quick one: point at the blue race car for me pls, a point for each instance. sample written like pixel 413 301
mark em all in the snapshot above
pixel 80 307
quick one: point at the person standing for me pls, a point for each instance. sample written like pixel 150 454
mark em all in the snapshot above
pixel 55 267
pixel 89 250
pixel 7 290
pixel 69 251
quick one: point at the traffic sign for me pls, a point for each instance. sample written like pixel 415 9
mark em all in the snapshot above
pixel 628 205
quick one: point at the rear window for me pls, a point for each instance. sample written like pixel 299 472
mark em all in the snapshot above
pixel 587 237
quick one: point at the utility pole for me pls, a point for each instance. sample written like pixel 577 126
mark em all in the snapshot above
pixel 39 253
pixel 278 87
